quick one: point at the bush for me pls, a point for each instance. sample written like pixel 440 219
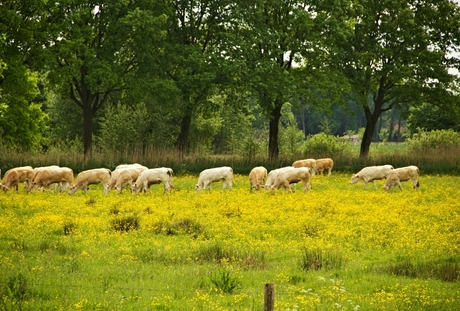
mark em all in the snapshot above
pixel 324 145
pixel 125 224
pixel 424 141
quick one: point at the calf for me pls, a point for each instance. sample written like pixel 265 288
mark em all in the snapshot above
pixel 324 164
pixel 293 176
pixel 397 175
pixel 208 176
pixel 17 175
pixel 90 177
pixel 153 176
pixel 256 177
pixel 370 174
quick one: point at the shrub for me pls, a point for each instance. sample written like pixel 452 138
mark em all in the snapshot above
pixel 324 145
pixel 125 224
pixel 180 226
pixel 425 141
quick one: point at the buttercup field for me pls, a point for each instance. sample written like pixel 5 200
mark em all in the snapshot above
pixel 335 247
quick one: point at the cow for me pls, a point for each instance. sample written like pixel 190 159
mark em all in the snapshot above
pixel 292 176
pixel 210 175
pixel 153 176
pixel 134 165
pixel 123 181
pixel 90 177
pixel 45 177
pixel 36 170
pixel 370 174
pixel 257 176
pixel 310 163
pixel 397 175
pixel 17 175
pixel 324 164
pixel 272 176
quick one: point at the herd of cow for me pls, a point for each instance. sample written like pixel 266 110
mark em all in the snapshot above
pixel 140 178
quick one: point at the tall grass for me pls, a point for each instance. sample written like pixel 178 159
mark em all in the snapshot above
pixel 430 161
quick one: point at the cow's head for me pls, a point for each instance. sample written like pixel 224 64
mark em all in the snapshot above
pixel 355 178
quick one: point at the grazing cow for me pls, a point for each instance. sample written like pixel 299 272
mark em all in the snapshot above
pixel 272 176
pixel 115 178
pixel 210 175
pixel 90 177
pixel 293 176
pixel 134 165
pixel 17 175
pixel 45 177
pixel 257 176
pixel 397 175
pixel 153 176
pixel 310 163
pixel 324 164
pixel 370 174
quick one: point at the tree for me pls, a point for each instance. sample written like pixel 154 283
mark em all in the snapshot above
pixel 392 52
pixel 428 117
pixel 89 50
pixel 271 35
pixel 22 121
pixel 192 68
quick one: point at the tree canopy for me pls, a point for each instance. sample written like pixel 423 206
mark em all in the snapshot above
pixel 197 67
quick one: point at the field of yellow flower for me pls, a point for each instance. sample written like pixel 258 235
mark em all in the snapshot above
pixel 337 247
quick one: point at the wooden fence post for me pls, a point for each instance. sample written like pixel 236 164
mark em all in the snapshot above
pixel 269 297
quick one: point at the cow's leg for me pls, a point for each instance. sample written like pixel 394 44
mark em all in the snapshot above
pixel 399 185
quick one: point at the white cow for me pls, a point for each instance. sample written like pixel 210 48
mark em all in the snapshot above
pixel 370 174
pixel 272 176
pixel 17 175
pixel 208 176
pixel 90 177
pixel 310 163
pixel 257 176
pixel 397 175
pixel 45 177
pixel 293 176
pixel 126 179
pixel 153 176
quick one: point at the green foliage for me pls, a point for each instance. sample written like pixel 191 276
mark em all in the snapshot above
pixel 22 122
pixel 181 226
pixel 322 260
pixel 429 117
pixel 224 281
pixel 291 137
pixel 434 141
pixel 125 129
pixel 445 269
pixel 324 145
pixel 126 223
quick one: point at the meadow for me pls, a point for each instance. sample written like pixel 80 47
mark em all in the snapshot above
pixel 336 247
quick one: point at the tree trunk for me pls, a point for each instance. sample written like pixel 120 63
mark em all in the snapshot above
pixel 182 139
pixel 371 123
pixel 273 150
pixel 87 132
pixel 392 120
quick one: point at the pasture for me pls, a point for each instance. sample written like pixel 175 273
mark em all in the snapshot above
pixel 337 247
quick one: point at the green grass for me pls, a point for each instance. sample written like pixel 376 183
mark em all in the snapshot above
pixel 337 247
